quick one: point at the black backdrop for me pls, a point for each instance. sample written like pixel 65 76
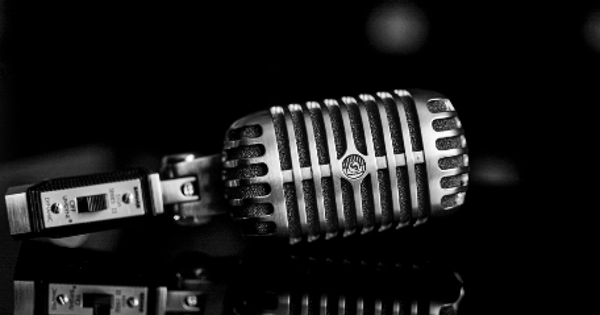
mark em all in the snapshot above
pixel 149 79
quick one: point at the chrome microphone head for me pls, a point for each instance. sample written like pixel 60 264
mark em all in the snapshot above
pixel 346 166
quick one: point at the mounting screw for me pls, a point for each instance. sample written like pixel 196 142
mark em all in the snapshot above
pixel 191 300
pixel 127 198
pixel 62 299
pixel 133 302
pixel 188 189
pixel 56 208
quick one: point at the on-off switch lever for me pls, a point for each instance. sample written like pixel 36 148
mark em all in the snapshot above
pixel 101 303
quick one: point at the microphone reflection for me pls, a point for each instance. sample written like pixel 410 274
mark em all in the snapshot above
pixel 52 280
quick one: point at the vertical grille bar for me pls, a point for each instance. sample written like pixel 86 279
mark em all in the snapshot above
pixel 360 306
pixel 385 103
pixel 387 210
pixel 329 203
pixel 323 305
pixel 311 117
pixel 357 217
pixel 349 206
pixel 318 129
pixel 356 125
pixel 375 125
pixel 412 121
pixel 369 119
pixel 422 192
pixel 338 130
pixel 405 212
pixel 332 107
pixel 293 217
pixel 312 214
pixel 393 119
pixel 367 195
pixel 305 305
pixel 421 203
pixel 281 134
pixel 407 137
pixel 297 171
pixel 342 305
pixel 297 114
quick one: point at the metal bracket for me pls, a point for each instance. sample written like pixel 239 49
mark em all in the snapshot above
pixel 192 187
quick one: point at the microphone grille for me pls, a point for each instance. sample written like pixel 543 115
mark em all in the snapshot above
pixel 341 166
pixel 300 303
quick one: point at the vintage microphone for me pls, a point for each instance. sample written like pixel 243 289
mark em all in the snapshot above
pixel 302 172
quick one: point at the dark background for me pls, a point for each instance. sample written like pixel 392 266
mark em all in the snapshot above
pixel 147 79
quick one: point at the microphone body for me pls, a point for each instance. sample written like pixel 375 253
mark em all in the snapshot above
pixel 346 166
pixel 300 172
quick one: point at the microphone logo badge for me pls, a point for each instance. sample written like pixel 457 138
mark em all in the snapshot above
pixel 354 166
